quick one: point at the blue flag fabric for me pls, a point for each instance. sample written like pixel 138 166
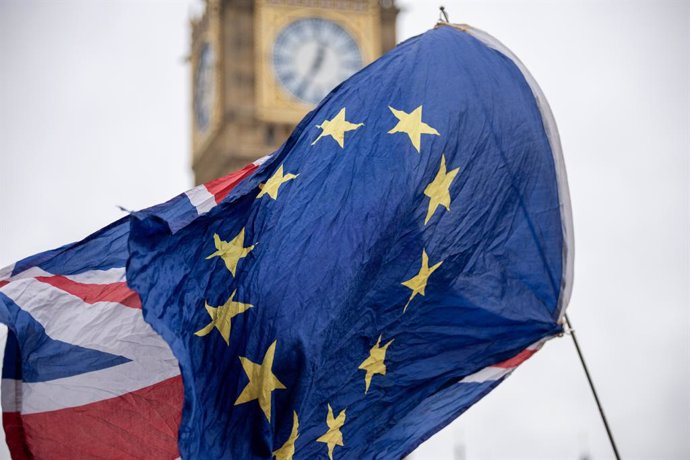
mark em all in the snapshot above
pixel 386 268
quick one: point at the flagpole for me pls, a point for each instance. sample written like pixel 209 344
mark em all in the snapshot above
pixel 571 331
pixel 443 16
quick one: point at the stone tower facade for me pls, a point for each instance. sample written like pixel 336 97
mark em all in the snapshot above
pixel 258 66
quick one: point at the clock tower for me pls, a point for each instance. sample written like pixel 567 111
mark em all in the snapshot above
pixel 258 66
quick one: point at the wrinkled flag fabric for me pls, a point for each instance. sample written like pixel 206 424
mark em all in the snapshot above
pixel 408 246
pixel 84 376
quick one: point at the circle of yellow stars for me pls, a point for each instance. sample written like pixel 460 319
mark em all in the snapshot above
pixel 262 382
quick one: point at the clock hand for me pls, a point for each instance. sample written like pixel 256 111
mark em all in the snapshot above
pixel 318 61
pixel 313 70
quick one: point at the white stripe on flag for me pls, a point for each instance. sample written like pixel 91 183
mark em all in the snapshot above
pixel 103 326
pixel 487 374
pixel 30 273
pixel 6 272
pixel 11 398
pixel 92 386
pixel 113 275
pixel 261 160
pixel 492 373
pixel 201 199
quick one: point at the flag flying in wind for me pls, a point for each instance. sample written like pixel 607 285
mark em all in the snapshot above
pixel 84 376
pixel 406 248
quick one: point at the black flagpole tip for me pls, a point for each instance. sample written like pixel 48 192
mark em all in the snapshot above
pixel 443 15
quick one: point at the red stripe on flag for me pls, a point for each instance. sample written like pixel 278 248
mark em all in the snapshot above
pixel 220 187
pixel 516 360
pixel 92 293
pixel 139 425
pixel 14 436
pixel 4 282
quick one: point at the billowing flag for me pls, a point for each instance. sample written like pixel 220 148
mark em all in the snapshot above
pixel 84 376
pixel 394 261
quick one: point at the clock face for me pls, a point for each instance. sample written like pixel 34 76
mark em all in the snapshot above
pixel 204 88
pixel 311 56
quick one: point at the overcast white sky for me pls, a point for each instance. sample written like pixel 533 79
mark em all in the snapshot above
pixel 94 100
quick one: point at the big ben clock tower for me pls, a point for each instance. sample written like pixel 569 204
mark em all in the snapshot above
pixel 258 66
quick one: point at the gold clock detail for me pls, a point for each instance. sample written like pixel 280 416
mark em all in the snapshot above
pixel 303 53
pixel 312 55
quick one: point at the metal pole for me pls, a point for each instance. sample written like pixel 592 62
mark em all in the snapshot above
pixel 443 16
pixel 571 331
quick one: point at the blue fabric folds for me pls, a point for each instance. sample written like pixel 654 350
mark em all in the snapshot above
pixel 434 154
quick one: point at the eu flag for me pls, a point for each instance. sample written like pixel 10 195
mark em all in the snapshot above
pixel 405 249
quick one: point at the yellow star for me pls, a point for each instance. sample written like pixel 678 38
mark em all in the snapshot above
pixel 412 125
pixel 262 381
pixel 221 317
pixel 271 186
pixel 374 364
pixel 438 190
pixel 336 128
pixel 231 251
pixel 288 449
pixel 333 437
pixel 418 282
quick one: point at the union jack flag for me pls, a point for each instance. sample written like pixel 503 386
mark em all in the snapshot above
pixel 84 375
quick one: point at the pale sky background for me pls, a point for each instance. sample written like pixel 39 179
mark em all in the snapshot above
pixel 94 113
